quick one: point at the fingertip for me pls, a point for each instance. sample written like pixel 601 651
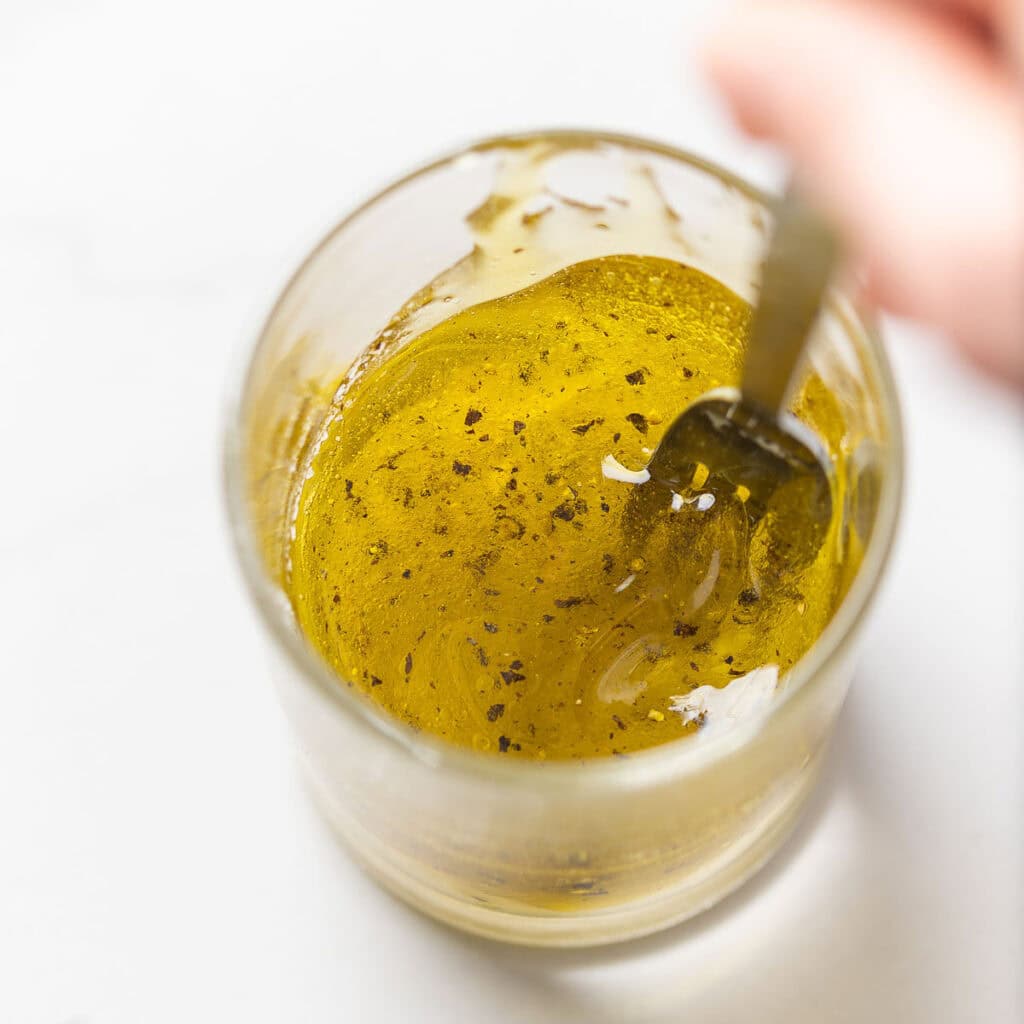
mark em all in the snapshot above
pixel 734 58
pixel 729 52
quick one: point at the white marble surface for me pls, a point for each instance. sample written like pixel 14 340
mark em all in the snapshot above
pixel 161 168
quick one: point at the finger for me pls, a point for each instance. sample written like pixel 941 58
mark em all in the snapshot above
pixel 1003 19
pixel 912 137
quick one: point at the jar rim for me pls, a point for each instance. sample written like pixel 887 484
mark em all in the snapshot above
pixel 673 759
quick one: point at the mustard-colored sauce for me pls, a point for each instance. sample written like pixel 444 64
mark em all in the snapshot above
pixel 460 558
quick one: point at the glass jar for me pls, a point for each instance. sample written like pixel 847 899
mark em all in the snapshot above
pixel 544 853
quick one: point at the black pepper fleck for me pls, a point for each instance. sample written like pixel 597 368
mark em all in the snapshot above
pixel 565 512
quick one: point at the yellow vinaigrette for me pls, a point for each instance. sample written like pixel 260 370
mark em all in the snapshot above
pixel 461 556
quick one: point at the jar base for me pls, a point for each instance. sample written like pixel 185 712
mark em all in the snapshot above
pixel 573 930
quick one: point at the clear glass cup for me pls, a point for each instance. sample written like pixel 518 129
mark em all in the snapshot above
pixel 544 853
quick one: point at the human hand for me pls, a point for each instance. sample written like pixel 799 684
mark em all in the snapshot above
pixel 905 119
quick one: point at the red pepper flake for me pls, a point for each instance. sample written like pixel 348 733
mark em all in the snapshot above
pixel 635 378
pixel 639 421
pixel 684 629
pixel 462 468
pixel 473 416
pixel 408 664
pixel 518 426
pixel 375 681
pixel 495 711
pixel 504 743
pixel 512 677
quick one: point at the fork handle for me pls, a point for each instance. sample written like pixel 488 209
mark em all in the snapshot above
pixel 801 257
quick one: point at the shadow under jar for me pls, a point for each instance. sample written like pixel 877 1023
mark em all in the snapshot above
pixel 559 853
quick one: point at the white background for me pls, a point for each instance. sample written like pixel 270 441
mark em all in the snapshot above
pixel 162 167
